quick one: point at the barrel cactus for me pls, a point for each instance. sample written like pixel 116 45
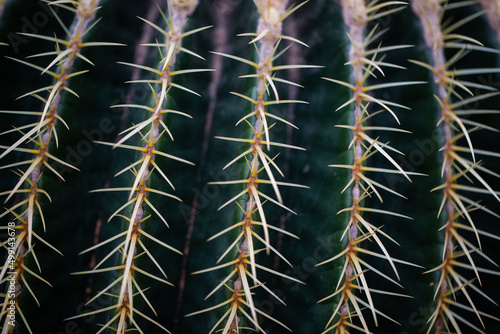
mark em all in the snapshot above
pixel 231 166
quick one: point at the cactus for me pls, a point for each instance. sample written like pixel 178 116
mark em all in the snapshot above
pixel 187 166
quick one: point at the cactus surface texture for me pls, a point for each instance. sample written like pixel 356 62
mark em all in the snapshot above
pixel 237 166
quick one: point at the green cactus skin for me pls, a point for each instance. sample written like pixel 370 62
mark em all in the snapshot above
pixel 76 217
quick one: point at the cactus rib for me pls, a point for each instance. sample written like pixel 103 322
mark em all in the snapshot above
pixel 151 131
pixel 364 63
pixel 42 135
pixel 268 37
pixel 455 167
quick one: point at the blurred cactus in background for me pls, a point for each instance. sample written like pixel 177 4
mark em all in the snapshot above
pixel 233 166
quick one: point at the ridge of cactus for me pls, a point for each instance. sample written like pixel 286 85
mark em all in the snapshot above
pixel 40 137
pixel 366 64
pixel 459 168
pixel 492 10
pixel 140 207
pixel 240 306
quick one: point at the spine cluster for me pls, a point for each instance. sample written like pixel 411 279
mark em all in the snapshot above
pixel 459 168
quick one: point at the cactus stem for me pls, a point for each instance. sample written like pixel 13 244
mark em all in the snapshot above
pixel 143 168
pixel 268 35
pixel 362 146
pixel 44 132
pixel 454 167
